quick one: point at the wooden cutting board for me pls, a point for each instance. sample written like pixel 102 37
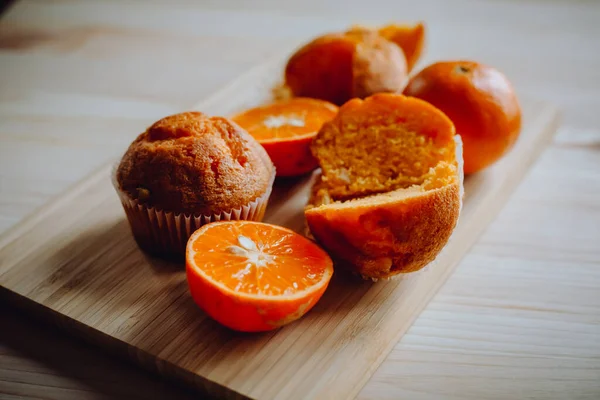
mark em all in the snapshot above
pixel 75 262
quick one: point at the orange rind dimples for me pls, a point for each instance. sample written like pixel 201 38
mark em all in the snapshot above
pixel 390 192
pixel 286 129
pixel 479 100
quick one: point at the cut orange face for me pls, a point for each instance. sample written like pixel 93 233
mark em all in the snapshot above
pixel 285 129
pixel 410 38
pixel 251 276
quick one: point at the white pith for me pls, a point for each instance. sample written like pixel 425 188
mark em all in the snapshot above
pixel 277 121
pixel 247 248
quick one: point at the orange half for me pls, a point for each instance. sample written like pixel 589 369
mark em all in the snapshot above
pixel 251 276
pixel 286 128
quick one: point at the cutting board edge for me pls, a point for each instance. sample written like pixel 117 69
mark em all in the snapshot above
pixel 139 357
pixel 38 213
pixel 117 348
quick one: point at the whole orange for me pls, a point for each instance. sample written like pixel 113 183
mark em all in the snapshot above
pixel 479 100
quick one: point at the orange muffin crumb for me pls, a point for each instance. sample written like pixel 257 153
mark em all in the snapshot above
pixel 381 144
pixel 390 191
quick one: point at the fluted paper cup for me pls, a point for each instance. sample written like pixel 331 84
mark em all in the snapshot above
pixel 165 233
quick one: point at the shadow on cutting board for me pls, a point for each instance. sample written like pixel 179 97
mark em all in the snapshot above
pixel 73 368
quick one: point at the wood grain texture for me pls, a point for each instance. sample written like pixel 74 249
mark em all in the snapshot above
pixel 77 261
pixel 34 368
pixel 518 318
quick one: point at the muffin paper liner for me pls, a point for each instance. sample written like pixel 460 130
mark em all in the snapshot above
pixel 166 233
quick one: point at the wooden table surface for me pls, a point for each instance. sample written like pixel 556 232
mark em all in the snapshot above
pixel 520 318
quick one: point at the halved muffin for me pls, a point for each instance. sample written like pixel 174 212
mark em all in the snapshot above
pixel 390 190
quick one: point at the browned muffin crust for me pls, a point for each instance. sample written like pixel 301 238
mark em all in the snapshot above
pixel 194 164
pixel 388 234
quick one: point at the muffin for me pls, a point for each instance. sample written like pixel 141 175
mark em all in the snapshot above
pixel 339 66
pixel 187 170
pixel 390 191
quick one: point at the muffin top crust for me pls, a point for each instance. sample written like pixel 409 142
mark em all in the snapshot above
pixel 194 164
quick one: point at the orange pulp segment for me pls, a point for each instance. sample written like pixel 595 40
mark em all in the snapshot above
pixel 298 116
pixel 252 276
pixel 286 128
